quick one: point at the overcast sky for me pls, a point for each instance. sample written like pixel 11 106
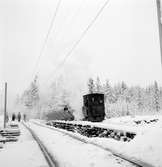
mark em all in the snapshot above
pixel 123 44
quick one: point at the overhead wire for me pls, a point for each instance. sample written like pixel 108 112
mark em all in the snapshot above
pixel 69 21
pixel 80 38
pixel 46 38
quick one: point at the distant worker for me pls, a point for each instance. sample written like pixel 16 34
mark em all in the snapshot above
pixel 66 108
pixel 19 117
pixel 24 117
pixel 13 117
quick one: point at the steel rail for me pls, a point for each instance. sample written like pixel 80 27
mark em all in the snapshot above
pixel 49 158
pixel 131 160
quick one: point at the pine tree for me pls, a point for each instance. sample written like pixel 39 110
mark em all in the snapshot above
pixel 59 95
pixel 30 97
pixel 34 90
pixel 148 100
pixel 98 86
pixel 91 85
pixel 139 99
pixel 117 91
pixel 53 97
pixel 108 91
pixel 160 94
pixel 123 87
pixel 156 97
pixel 124 91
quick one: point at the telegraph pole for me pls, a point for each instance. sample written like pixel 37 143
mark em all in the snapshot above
pixel 5 105
pixel 159 5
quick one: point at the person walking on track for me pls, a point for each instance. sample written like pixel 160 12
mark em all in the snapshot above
pixel 13 117
pixel 19 117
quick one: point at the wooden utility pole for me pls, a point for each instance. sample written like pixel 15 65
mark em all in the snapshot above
pixel 5 105
pixel 158 3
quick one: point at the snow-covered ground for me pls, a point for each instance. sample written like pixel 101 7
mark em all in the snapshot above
pixel 70 152
pixel 23 153
pixel 146 146
pixel 131 121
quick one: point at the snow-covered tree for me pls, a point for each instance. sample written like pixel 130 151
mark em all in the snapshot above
pixel 98 86
pixel 53 98
pixel 108 91
pixel 27 99
pixel 123 87
pixel 57 97
pixel 34 92
pixel 124 100
pixel 91 85
pixel 156 97
pixel 30 97
pixel 139 99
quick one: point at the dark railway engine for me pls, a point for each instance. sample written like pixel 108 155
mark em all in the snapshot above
pixel 93 107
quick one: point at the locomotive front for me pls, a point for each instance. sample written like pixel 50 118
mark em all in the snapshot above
pixel 93 107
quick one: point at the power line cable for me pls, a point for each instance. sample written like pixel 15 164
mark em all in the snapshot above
pixel 80 38
pixel 46 38
pixel 69 21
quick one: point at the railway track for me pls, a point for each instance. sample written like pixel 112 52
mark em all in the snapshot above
pixel 49 158
pixel 134 162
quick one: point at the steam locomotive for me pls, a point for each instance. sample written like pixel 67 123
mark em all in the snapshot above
pixel 93 109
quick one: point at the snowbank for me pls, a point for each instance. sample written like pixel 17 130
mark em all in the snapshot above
pixel 147 146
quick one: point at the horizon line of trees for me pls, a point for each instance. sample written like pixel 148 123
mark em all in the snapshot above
pixel 121 99
pixel 37 104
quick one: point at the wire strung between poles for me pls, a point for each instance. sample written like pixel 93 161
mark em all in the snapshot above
pixel 79 40
pixel 46 38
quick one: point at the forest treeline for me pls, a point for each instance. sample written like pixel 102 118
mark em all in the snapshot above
pixel 120 99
